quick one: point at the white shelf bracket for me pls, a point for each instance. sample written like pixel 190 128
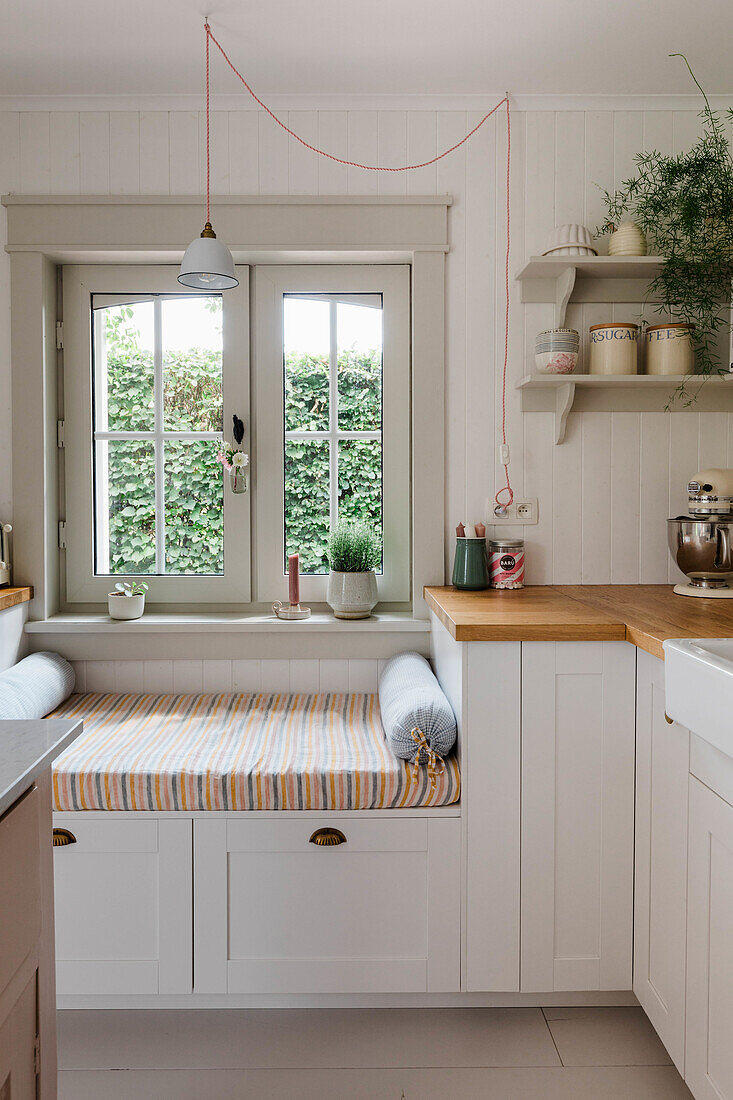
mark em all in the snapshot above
pixel 564 398
pixel 564 284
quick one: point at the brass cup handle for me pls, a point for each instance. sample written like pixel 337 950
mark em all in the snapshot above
pixel 327 838
pixel 668 720
pixel 62 837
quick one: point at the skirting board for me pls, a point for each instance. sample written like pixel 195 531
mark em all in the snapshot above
pixel 594 999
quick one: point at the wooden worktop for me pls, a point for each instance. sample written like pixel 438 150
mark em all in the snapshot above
pixel 643 614
pixel 9 597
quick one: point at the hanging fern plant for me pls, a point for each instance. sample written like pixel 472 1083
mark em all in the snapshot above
pixel 684 204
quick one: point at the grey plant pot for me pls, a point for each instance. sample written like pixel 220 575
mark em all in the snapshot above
pixel 352 595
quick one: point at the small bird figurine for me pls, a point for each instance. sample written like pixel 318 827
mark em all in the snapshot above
pixel 238 429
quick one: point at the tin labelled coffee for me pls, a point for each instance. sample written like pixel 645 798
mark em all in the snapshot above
pixel 506 563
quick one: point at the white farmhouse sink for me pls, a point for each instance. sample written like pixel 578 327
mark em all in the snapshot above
pixel 698 681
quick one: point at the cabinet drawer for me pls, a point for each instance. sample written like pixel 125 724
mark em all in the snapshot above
pixel 20 875
pixel 279 914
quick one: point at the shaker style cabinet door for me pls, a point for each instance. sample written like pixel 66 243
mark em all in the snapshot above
pixel 577 815
pixel 123 904
pixel 660 894
pixel 709 1049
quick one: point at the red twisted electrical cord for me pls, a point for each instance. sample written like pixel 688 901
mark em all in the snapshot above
pixel 378 168
pixel 322 152
pixel 506 488
pixel 208 130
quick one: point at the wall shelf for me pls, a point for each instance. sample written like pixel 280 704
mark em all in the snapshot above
pixel 562 279
pixel 559 393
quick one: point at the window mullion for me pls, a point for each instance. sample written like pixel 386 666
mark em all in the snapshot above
pixel 159 439
pixel 333 413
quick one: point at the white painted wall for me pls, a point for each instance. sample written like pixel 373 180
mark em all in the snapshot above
pixel 605 493
pixel 190 677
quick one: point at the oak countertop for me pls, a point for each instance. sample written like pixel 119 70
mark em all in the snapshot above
pixel 643 614
pixel 9 597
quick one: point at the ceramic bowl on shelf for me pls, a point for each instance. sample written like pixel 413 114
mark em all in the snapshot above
pixel 555 362
pixel 556 351
pixel 570 240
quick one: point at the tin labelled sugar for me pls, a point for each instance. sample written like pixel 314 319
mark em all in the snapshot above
pixel 506 563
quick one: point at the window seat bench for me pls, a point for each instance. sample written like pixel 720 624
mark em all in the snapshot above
pixel 344 879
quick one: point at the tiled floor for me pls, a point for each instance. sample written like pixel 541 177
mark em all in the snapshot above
pixel 374 1054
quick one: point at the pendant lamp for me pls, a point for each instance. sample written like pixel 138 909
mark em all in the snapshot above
pixel 207 263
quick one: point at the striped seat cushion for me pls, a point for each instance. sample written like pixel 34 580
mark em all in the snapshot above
pixel 237 752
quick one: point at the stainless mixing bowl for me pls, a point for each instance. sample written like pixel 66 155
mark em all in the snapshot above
pixel 702 550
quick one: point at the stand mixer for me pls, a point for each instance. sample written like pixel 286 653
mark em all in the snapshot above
pixel 701 543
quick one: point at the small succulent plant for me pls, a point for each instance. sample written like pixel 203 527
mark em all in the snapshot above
pixel 131 588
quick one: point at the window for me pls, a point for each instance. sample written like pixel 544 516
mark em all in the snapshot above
pixel 332 379
pixel 157 412
pixel 152 376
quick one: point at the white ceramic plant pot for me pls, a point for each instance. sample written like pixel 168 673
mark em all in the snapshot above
pixel 125 607
pixel 352 595
pixel 628 240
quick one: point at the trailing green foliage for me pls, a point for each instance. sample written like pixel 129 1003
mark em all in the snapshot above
pixel 354 547
pixel 684 203
pixel 194 480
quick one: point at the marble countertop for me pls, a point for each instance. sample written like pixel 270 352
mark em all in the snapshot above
pixel 27 749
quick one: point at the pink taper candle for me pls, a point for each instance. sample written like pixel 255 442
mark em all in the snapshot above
pixel 293 579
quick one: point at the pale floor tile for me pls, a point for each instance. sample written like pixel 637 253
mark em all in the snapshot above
pixel 283 1038
pixel 605 1037
pixel 610 1083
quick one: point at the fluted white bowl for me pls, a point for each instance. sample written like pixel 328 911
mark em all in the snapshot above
pixel 571 239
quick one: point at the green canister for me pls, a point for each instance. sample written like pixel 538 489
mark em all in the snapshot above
pixel 471 564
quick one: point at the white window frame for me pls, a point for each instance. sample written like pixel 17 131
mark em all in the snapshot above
pixel 271 284
pixel 80 282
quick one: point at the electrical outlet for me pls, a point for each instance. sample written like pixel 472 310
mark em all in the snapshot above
pixel 519 513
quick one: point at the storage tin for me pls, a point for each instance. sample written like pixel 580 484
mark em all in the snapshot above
pixel 506 563
pixel 614 348
pixel 669 348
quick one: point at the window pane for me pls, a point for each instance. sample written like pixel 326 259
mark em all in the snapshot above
pixel 360 481
pixel 192 363
pixel 124 378
pixel 306 344
pixel 194 507
pixel 125 514
pixel 359 329
pixel 307 515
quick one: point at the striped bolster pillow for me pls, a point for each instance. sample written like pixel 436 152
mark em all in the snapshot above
pixel 416 715
pixel 35 686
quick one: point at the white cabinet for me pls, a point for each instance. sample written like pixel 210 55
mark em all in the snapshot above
pixel 577 815
pixel 376 912
pixel 660 896
pixel 123 904
pixel 709 1045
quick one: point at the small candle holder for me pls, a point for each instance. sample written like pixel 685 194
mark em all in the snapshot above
pixel 290 610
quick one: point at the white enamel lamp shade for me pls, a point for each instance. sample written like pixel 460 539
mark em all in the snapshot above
pixel 208 264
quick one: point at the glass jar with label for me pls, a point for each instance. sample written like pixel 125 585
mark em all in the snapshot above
pixel 506 563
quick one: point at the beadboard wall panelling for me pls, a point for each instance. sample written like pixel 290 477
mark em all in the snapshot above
pixel 193 677
pixel 605 493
